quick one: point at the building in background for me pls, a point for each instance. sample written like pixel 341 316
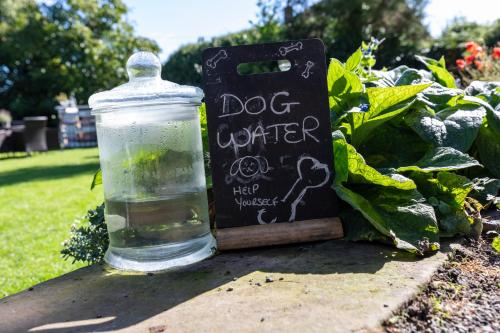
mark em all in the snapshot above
pixel 76 125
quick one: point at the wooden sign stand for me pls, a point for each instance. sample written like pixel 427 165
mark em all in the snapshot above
pixel 279 233
pixel 270 145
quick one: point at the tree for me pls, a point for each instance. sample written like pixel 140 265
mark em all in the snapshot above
pixel 343 25
pixel 460 31
pixel 74 47
pixel 451 43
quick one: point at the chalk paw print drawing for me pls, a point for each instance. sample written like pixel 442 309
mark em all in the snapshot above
pixel 311 174
pixel 249 166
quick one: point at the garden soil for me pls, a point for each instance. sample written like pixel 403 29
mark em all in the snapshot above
pixel 463 295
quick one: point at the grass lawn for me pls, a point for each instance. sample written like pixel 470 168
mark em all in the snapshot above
pixel 40 197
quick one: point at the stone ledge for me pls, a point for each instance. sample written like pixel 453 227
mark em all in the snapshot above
pixel 332 286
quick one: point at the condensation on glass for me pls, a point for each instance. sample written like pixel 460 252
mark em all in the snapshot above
pixel 151 158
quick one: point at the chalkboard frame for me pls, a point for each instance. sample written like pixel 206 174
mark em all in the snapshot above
pixel 305 82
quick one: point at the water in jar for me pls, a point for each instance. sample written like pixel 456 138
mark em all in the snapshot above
pixel 154 180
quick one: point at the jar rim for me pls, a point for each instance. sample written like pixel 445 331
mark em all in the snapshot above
pixel 115 107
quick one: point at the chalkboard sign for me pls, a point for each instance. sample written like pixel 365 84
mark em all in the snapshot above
pixel 269 134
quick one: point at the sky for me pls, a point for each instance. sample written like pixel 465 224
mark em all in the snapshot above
pixel 172 23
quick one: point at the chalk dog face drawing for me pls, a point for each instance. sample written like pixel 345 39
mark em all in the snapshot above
pixel 249 166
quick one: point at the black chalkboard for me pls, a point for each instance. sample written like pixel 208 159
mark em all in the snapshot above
pixel 269 134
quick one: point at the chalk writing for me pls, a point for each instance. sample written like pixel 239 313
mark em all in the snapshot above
pixel 259 202
pixel 290 133
pixel 254 105
pixel 246 190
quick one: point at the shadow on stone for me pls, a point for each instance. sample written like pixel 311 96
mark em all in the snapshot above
pixel 97 293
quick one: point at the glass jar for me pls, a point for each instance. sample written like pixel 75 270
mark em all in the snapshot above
pixel 151 157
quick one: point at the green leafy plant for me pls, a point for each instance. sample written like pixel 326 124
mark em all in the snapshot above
pixel 495 244
pixel 152 166
pixel 97 179
pixel 391 203
pixel 89 238
pixel 403 141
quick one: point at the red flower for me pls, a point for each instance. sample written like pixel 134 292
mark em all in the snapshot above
pixel 471 47
pixel 478 64
pixel 496 53
pixel 460 63
pixel 469 59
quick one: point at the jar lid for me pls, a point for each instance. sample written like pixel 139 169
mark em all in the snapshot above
pixel 145 87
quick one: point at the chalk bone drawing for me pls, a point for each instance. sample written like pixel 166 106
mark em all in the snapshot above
pixel 307 70
pixel 212 62
pixel 249 166
pixel 312 174
pixel 284 50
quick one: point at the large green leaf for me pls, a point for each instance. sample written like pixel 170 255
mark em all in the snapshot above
pixel 389 78
pixel 413 76
pixel 455 223
pixel 493 117
pixel 340 154
pixel 362 126
pixel 390 203
pixel 381 99
pixel 488 145
pixel 399 214
pixel 443 76
pixel 426 60
pixel 388 145
pixel 438 97
pixel 485 189
pixel 353 61
pixel 439 71
pixel 441 159
pixel 357 228
pixel 477 88
pixel 447 192
pixel 455 127
pixel 341 84
pixel 456 187
pixel 97 179
pixel 385 104
pixel 495 244
pixel 361 173
pixel 203 124
pixel 335 73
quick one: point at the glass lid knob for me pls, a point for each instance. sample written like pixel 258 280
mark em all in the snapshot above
pixel 143 65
